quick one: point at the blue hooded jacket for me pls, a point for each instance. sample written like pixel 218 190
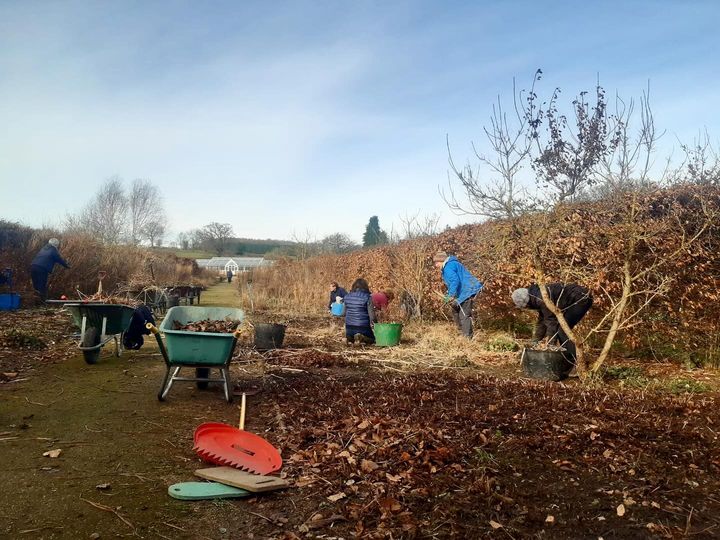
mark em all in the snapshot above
pixel 47 257
pixel 461 284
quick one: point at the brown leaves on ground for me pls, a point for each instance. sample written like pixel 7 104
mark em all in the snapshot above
pixel 524 456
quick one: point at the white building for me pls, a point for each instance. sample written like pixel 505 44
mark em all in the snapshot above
pixel 236 264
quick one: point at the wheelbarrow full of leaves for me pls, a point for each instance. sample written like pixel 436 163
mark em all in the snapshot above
pixel 197 337
pixel 99 323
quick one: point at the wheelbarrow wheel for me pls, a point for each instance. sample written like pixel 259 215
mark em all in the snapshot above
pixel 91 338
pixel 202 372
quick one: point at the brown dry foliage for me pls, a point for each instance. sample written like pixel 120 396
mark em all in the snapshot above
pixel 585 242
pixel 129 267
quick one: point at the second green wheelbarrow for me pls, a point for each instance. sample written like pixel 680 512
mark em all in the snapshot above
pixel 99 323
pixel 200 350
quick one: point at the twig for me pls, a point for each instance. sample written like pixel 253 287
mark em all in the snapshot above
pixel 111 510
pixel 261 516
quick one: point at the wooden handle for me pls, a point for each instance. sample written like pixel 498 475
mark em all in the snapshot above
pixel 242 412
pixel 152 328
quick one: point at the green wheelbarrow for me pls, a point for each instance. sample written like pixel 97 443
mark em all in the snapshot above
pixel 99 323
pixel 200 350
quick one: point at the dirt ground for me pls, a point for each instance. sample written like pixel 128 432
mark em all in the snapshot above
pixel 376 444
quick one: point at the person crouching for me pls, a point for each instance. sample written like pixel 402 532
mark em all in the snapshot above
pixel 359 314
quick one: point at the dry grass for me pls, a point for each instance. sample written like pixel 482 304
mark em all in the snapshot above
pixel 126 267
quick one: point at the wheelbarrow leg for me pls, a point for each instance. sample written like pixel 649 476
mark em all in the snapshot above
pixel 226 384
pixel 167 383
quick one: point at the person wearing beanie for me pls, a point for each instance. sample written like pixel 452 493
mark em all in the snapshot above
pixel 573 301
pixel 42 265
pixel 462 288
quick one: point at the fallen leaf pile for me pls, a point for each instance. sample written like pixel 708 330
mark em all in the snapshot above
pixel 401 455
pixel 219 327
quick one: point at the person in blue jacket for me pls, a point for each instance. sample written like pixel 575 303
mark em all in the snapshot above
pixel 42 265
pixel 359 314
pixel 462 288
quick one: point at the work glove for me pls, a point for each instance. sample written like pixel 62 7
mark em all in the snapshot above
pixel 448 299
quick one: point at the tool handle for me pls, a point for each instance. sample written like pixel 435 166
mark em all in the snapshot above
pixel 242 412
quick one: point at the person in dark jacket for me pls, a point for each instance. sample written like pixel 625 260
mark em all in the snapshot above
pixel 573 301
pixel 42 265
pixel 335 291
pixel 229 275
pixel 359 314
pixel 462 288
pixel 133 336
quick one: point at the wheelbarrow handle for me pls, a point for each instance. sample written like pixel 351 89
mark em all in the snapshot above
pixel 241 425
pixel 154 330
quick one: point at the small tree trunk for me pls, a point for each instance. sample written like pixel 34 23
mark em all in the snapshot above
pixel 617 318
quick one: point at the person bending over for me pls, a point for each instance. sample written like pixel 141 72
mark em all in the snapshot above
pixel 573 301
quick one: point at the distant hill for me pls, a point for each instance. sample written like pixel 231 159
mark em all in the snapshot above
pixel 253 246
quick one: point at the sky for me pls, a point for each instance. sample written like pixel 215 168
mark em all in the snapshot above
pixel 284 118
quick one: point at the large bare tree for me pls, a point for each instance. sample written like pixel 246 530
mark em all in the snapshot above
pixel 105 216
pixel 338 243
pixel 145 206
pixel 216 235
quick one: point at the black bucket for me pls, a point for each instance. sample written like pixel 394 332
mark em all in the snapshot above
pixel 546 365
pixel 269 336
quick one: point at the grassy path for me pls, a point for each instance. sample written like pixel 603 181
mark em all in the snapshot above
pixel 112 430
pixel 223 294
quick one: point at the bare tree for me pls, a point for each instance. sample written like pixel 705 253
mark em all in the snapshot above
pixel 494 188
pixel 145 206
pixel 183 240
pixel 702 163
pixel 338 243
pixel 217 235
pixel 306 244
pixel 154 231
pixel 105 217
pixel 412 258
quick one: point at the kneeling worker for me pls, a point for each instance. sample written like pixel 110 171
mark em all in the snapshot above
pixel 572 300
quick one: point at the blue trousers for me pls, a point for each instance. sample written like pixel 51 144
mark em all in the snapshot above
pixel 350 332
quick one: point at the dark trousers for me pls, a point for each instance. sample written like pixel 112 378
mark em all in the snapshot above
pixel 229 279
pixel 462 315
pixel 573 315
pixel 366 331
pixel 39 278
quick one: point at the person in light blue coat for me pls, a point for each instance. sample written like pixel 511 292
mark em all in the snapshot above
pixel 462 288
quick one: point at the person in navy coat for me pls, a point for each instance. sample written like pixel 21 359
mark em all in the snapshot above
pixel 462 288
pixel 42 265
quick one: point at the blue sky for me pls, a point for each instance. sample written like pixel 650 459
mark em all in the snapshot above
pixel 294 116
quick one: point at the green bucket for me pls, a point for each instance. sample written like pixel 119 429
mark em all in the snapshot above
pixel 387 334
